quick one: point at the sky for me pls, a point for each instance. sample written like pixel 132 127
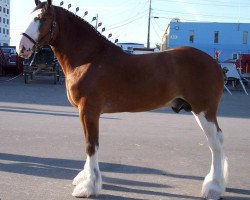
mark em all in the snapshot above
pixel 127 20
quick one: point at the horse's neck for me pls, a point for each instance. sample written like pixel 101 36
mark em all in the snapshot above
pixel 76 42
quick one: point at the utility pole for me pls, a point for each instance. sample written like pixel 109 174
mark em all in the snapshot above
pixel 149 23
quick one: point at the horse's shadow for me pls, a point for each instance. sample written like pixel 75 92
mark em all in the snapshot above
pixel 67 169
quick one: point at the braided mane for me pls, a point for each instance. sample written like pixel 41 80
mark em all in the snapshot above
pixel 85 22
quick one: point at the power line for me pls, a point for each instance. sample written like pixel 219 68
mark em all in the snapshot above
pixel 203 4
pixel 226 2
pixel 127 8
pixel 128 19
pixel 159 27
pixel 156 32
pixel 126 23
pixel 204 15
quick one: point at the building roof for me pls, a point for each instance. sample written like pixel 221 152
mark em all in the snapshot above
pixel 129 43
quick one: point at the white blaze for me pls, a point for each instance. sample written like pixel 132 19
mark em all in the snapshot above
pixel 33 26
pixel 32 29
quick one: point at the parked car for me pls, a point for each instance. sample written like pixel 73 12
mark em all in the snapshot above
pixel 10 62
pixel 10 54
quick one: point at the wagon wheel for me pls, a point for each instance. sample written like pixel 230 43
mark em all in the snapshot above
pixel 57 71
pixel 26 78
pixel 31 76
pixel 55 78
pixel 58 77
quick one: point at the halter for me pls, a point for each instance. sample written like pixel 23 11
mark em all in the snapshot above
pixel 37 44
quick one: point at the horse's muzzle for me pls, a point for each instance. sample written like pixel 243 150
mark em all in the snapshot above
pixel 24 48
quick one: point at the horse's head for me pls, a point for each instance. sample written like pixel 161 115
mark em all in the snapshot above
pixel 40 30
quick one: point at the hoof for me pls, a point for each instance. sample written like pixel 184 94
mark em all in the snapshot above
pixel 88 183
pixel 212 190
pixel 81 176
pixel 84 189
pixel 212 195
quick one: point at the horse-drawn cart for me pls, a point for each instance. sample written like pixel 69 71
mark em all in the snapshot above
pixel 42 63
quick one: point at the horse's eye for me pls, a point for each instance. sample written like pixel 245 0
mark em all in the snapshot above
pixel 42 19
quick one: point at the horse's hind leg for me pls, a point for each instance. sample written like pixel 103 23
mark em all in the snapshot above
pixel 214 184
pixel 89 182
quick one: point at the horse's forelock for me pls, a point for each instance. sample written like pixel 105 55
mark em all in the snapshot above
pixel 41 5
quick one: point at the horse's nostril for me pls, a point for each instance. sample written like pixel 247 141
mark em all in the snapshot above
pixel 23 49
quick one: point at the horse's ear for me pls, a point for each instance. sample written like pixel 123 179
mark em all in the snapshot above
pixel 37 2
pixel 49 2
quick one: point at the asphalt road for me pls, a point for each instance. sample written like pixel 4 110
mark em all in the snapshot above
pixel 150 155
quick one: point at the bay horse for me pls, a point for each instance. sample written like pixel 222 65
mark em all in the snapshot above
pixel 101 78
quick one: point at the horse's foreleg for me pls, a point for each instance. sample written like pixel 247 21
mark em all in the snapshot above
pixel 215 182
pixel 89 182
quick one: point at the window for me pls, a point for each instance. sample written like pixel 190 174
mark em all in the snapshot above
pixel 3 10
pixel 0 30
pixel 235 56
pixel 8 21
pixel 4 20
pixel 216 37
pixel 7 31
pixel 8 11
pixel 191 37
pixel 0 19
pixel 3 30
pixel 0 8
pixel 245 36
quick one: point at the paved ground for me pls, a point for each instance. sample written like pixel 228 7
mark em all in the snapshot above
pixel 151 155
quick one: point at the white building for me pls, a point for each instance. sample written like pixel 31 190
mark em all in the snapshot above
pixel 136 48
pixel 4 22
pixel 129 46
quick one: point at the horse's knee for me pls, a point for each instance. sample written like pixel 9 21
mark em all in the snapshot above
pixel 90 123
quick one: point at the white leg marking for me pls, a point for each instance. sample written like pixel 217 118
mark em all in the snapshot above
pixel 214 184
pixel 89 181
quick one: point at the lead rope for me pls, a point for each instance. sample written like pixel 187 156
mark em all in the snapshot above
pixel 11 79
